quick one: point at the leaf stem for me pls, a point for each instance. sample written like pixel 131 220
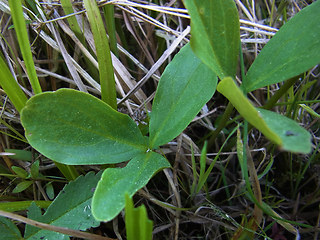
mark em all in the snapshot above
pixel 222 123
pixel 283 89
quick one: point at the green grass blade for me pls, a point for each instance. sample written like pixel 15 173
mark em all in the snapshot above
pixel 203 160
pixel 69 172
pixel 22 205
pixel 111 27
pixel 75 27
pixel 194 173
pixel 11 87
pixel 72 20
pixel 107 82
pixel 138 226
pixel 204 176
pixel 23 39
pixel 310 110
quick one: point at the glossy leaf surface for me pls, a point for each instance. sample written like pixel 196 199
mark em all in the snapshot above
pixel 215 34
pixel 73 127
pixel 109 197
pixel 185 86
pixel 294 49
pixel 294 138
pixel 71 209
pixel 279 129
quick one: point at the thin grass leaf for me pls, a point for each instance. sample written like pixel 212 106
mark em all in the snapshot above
pixel 194 172
pixel 203 177
pixel 107 81
pixel 265 207
pixel 203 159
pixel 267 169
pixel 72 20
pixel 75 27
pixel 310 110
pixel 22 205
pixel 11 87
pixel 23 39
pixel 108 11
pixel 138 226
pixel 22 155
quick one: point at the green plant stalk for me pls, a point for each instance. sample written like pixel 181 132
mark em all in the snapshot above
pixel 265 207
pixel 299 96
pixel 32 5
pixel 8 126
pixel 73 23
pixel 300 176
pixel 204 175
pixel 222 123
pixel 241 59
pixel 11 87
pixel 138 226
pixel 298 102
pixel 23 39
pixel 310 110
pixel 283 89
pixel 194 173
pixel 70 172
pixel 15 137
pixel 272 13
pixel 108 11
pixel 22 205
pixel 107 81
pixel 226 115
pixel 203 160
